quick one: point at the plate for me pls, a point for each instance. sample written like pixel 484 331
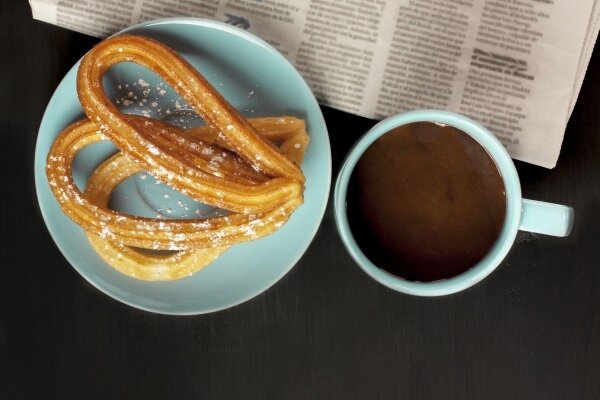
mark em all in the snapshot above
pixel 258 81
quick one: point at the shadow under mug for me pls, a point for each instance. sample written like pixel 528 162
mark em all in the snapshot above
pixel 521 214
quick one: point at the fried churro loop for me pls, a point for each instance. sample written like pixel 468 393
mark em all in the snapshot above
pixel 208 103
pixel 248 168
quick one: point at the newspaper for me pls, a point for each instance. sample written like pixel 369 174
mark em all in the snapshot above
pixel 516 66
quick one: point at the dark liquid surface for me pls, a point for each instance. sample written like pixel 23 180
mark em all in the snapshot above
pixel 426 202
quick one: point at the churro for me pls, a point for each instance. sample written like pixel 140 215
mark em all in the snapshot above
pixel 248 168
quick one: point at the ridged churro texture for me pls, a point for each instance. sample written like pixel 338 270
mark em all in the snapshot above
pixel 248 167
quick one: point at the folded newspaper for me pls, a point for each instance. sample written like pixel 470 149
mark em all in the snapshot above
pixel 516 66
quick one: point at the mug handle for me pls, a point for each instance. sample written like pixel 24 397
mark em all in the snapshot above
pixel 546 218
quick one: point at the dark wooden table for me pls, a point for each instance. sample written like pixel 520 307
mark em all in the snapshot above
pixel 325 331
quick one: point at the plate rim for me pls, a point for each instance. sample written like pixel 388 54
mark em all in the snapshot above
pixel 202 22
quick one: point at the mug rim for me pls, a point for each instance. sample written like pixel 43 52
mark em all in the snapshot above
pixel 505 239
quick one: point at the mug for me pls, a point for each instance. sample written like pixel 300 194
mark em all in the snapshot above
pixel 521 214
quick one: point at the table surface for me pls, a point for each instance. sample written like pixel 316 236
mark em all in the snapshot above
pixel 326 331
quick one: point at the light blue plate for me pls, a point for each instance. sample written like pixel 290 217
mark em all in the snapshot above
pixel 258 81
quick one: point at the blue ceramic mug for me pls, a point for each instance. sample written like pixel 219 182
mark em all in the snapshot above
pixel 521 214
